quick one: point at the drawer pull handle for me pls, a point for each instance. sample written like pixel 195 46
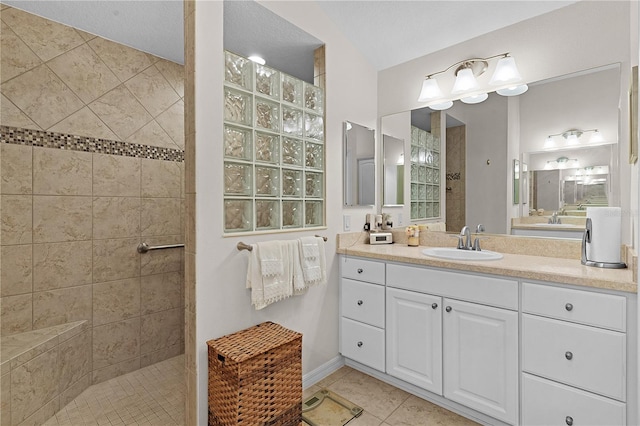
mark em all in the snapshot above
pixel 360 302
pixel 568 420
pixel 448 309
pixel 434 305
pixel 359 344
pixel 568 355
pixel 360 270
pixel 568 307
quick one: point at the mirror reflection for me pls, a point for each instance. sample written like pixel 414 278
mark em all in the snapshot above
pixel 393 177
pixel 359 165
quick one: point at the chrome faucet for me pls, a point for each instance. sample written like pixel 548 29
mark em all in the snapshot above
pixel 464 240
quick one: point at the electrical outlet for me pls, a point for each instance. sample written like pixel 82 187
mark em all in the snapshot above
pixel 346 222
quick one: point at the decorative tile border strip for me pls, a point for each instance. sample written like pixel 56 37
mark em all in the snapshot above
pixel 29 137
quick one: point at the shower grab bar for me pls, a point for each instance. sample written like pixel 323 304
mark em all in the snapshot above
pixel 242 246
pixel 144 247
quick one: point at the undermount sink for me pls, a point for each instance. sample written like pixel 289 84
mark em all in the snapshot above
pixel 458 254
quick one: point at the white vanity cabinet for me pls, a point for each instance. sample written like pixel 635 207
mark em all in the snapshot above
pixel 362 321
pixel 574 349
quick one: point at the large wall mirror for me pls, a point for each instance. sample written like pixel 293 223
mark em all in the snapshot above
pixel 359 169
pixel 393 176
pixel 569 165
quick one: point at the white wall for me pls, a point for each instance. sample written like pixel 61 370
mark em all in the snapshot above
pixel 581 36
pixel 223 304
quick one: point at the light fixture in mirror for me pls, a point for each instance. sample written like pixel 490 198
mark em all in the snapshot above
pixel 393 175
pixel 359 169
pixel 572 137
pixel 506 80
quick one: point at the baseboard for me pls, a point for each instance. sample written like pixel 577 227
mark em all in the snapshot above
pixel 313 377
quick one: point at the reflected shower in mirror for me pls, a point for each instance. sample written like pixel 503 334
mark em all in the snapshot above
pixel 393 176
pixel 359 169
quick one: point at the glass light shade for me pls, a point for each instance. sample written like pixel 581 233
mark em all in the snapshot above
pixel 548 166
pixel 430 90
pixel 441 106
pixel 506 72
pixel 513 90
pixel 596 137
pixel 475 99
pixel 549 142
pixel 257 59
pixel 465 81
pixel 572 139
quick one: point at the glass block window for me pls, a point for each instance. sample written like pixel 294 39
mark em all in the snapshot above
pixel 274 152
pixel 425 175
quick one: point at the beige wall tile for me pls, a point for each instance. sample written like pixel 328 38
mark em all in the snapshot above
pixel 172 121
pixel 160 216
pixel 160 178
pixel 55 307
pixel 190 282
pixel 16 216
pixel 160 355
pixel 33 384
pixel 116 342
pixel 16 274
pixel 46 38
pixel 119 110
pixel 116 217
pixel 15 55
pixel 10 115
pixel 15 315
pixel 5 400
pixel 153 135
pixel 160 330
pixel 160 261
pixel 15 169
pixel 84 123
pixel 102 374
pixel 61 218
pixel 190 223
pixel 43 414
pixel 115 259
pixel 116 176
pixel 59 265
pixel 190 349
pixel 116 301
pixel 61 172
pixel 152 90
pixel 41 95
pixel 74 359
pixel 174 73
pixel 69 394
pixel 124 61
pixel 84 72
pixel 160 292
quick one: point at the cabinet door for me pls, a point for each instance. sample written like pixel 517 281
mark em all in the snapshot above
pixel 481 358
pixel 414 338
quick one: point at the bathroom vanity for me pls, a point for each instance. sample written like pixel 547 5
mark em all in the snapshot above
pixel 524 340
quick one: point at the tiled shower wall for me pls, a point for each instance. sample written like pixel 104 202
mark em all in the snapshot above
pixel 455 178
pixel 72 217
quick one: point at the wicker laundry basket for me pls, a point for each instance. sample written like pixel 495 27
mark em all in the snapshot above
pixel 255 377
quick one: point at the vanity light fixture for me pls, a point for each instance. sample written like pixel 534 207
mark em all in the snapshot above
pixel 257 59
pixel 572 137
pixel 562 163
pixel 466 88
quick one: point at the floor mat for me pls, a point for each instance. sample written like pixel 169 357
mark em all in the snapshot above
pixel 325 408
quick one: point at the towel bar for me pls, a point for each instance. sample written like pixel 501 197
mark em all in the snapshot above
pixel 243 246
pixel 144 247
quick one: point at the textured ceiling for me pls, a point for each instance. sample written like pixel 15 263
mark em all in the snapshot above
pixel 386 32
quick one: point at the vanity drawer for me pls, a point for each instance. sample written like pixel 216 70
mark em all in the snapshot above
pixel 363 270
pixel 585 307
pixel 363 302
pixel 547 403
pixel 586 357
pixel 362 343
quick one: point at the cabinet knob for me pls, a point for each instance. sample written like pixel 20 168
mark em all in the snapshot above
pixel 448 309
pixel 568 355
pixel 568 420
pixel 360 302
pixel 359 344
pixel 568 307
pixel 360 270
pixel 434 305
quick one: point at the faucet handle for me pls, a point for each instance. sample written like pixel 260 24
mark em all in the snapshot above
pixel 479 228
pixel 476 243
pixel 460 240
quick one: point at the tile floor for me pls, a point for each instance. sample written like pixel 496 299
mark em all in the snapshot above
pixel 385 405
pixel 150 396
pixel 154 396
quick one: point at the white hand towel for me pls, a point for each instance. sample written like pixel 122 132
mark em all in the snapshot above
pixel 313 261
pixel 273 286
pixel 299 286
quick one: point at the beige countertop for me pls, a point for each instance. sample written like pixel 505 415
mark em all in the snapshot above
pixel 549 227
pixel 565 271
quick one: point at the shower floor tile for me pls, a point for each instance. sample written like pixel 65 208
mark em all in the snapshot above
pixel 151 396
